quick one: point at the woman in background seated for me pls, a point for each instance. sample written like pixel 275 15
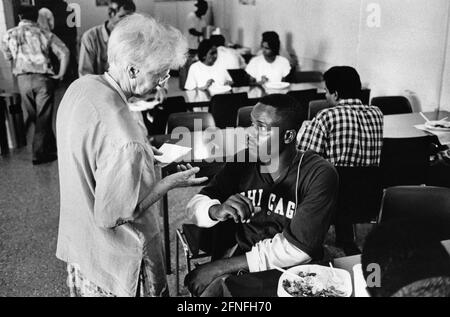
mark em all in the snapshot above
pixel 270 66
pixel 205 74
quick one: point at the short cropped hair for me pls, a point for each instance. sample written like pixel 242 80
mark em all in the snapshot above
pixel 345 81
pixel 203 48
pixel 273 41
pixel 287 109
pixel 127 5
pixel 407 252
pixel 218 40
pixel 142 41
pixel 30 13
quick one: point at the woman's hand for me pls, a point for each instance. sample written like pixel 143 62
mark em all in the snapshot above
pixel 185 177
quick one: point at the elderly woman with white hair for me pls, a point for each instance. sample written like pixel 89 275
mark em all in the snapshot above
pixel 109 232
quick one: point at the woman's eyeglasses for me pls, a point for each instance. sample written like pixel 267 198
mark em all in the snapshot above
pixel 163 80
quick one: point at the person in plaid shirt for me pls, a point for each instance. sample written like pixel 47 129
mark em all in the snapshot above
pixel 28 47
pixel 348 134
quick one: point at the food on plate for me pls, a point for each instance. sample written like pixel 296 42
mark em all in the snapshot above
pixel 309 285
pixel 439 124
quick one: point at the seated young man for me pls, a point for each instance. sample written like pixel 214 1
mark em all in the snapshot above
pixel 349 134
pixel 282 204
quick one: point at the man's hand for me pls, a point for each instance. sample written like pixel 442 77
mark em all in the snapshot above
pixel 263 80
pixel 237 207
pixel 209 83
pixel 199 279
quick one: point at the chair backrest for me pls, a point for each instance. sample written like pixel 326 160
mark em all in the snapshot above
pixel 193 121
pixel 317 106
pixel 360 194
pixel 307 77
pixel 224 108
pixel 244 119
pixel 418 203
pixel 161 113
pixel 365 96
pixel 405 161
pixel 304 97
pixel 392 105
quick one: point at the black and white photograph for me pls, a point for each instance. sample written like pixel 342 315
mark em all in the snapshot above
pixel 197 150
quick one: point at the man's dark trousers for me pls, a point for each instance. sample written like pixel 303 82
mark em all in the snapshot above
pixel 38 93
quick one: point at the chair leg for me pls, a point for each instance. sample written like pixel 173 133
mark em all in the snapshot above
pixel 177 265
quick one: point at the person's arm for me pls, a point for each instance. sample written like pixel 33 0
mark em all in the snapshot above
pixel 194 32
pixel 219 200
pixel 5 48
pixel 314 137
pixel 87 60
pixel 126 186
pixel 62 52
pixel 286 69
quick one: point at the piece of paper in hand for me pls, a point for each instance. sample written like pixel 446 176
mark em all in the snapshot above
pixel 171 153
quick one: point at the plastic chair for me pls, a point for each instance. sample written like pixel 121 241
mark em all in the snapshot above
pixel 430 204
pixel 365 96
pixel 244 119
pixel 360 194
pixel 317 106
pixel 307 77
pixel 193 121
pixel 405 161
pixel 224 108
pixel 161 114
pixel 201 243
pixel 392 105
pixel 304 97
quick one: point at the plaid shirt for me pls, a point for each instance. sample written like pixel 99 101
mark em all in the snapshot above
pixel 348 135
pixel 28 47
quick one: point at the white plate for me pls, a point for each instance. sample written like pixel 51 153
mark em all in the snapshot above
pixel 430 125
pixel 219 89
pixel 277 85
pixel 324 277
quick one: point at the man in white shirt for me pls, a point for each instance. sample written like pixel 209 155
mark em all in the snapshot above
pixel 227 58
pixel 205 73
pixel 282 215
pixel 196 23
pixel 270 66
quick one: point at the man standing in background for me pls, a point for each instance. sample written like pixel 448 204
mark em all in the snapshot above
pixel 196 22
pixel 28 47
pixel 94 43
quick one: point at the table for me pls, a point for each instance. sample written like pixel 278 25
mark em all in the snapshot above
pixel 402 125
pixel 199 98
pixel 265 284
pixel 225 148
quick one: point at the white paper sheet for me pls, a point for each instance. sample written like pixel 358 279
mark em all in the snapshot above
pixel 443 136
pixel 171 153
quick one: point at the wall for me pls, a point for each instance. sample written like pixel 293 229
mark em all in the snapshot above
pixel 91 15
pixel 405 55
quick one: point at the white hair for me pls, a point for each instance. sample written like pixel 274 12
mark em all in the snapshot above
pixel 142 41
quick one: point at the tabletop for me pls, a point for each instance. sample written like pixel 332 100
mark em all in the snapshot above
pixel 403 125
pixel 221 145
pixel 254 92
